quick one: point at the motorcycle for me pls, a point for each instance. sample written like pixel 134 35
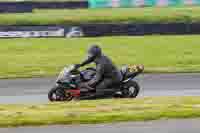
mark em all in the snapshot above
pixel 67 86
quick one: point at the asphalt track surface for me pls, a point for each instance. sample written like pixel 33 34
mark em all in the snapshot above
pixel 35 90
pixel 161 126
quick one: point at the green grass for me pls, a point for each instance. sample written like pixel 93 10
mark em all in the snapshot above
pixel 109 15
pixel 46 57
pixel 102 111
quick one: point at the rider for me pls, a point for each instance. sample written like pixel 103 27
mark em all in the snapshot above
pixel 107 73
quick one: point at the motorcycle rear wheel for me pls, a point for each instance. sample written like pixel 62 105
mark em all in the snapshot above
pixel 131 89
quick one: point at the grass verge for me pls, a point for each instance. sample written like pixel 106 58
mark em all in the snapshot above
pixel 102 111
pixel 108 15
pixel 46 57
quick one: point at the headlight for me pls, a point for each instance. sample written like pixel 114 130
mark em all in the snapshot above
pixel 73 76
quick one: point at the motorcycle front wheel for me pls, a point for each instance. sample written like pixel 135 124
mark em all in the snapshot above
pixel 58 94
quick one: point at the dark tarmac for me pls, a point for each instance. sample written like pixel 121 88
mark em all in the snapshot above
pixel 35 90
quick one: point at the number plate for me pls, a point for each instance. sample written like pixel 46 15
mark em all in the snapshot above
pixel 132 68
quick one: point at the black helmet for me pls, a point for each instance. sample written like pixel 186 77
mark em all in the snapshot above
pixel 94 51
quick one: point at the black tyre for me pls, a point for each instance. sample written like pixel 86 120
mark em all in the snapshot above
pixel 58 94
pixel 52 94
pixel 131 89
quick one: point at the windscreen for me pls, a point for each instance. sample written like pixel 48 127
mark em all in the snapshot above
pixel 65 74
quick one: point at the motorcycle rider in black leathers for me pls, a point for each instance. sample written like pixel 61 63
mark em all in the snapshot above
pixel 107 73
